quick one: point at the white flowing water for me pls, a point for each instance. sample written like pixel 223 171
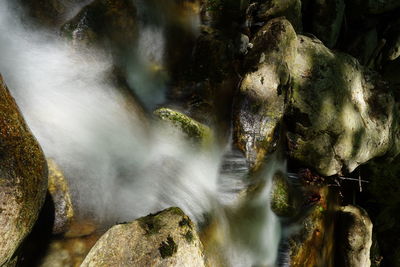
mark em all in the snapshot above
pixel 117 168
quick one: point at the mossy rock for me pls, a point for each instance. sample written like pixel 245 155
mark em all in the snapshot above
pixel 167 238
pixel 193 129
pixel 282 202
pixel 23 176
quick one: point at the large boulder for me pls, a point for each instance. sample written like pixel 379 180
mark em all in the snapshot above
pixel 260 104
pixel 167 238
pixel 23 176
pixel 354 237
pixel 341 115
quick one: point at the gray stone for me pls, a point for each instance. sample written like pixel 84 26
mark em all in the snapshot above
pixel 167 238
pixel 341 115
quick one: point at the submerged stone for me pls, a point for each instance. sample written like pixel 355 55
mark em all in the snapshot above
pixel 23 176
pixel 167 238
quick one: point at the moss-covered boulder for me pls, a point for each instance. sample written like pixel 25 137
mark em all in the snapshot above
pixel 23 176
pixel 61 198
pixel 260 104
pixel 110 24
pixel 191 128
pixel 341 115
pixel 168 238
pixel 354 237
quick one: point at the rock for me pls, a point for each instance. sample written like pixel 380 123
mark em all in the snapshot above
pixel 167 238
pixel 260 104
pixel 23 176
pixel 61 197
pixel 110 24
pixel 341 115
pixel 68 252
pixel 384 206
pixel 290 9
pixel 282 202
pixel 327 20
pixel 354 237
pixel 312 245
pixel 49 13
pixel 194 130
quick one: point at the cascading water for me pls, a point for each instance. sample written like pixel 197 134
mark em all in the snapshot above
pixel 119 168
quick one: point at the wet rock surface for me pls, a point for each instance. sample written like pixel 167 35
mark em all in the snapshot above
pixel 260 104
pixel 23 176
pixel 167 238
pixel 61 196
pixel 108 24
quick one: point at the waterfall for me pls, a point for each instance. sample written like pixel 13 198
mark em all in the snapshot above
pixel 118 168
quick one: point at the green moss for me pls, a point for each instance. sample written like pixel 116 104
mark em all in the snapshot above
pixel 192 128
pixel 175 210
pixel 281 202
pixel 168 248
pixel 185 222
pixel 189 236
pixel 151 224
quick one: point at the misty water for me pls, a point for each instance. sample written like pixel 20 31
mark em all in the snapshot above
pixel 118 167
